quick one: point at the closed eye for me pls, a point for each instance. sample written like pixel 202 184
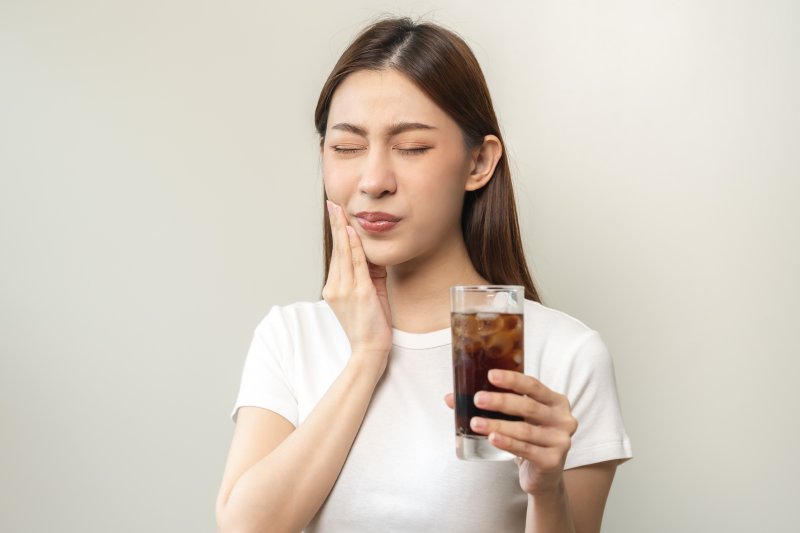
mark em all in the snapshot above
pixel 346 149
pixel 414 151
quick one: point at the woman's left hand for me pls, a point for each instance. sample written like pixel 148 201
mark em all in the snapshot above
pixel 541 440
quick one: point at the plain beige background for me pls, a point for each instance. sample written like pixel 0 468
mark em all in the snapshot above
pixel 160 190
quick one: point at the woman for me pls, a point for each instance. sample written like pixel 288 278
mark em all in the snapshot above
pixel 340 424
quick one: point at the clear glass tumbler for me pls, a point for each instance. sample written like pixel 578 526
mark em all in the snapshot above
pixel 487 328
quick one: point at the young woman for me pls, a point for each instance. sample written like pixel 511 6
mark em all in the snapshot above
pixel 342 419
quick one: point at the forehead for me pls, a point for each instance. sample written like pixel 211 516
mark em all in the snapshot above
pixel 383 97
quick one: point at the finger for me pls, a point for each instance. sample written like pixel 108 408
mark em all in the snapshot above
pixel 544 458
pixel 524 384
pixel 449 400
pixel 361 271
pixel 514 404
pixel 333 268
pixel 344 262
pixel 537 435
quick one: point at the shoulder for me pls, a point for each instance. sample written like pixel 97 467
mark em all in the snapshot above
pixel 561 347
pixel 300 312
pixel 301 320
pixel 542 321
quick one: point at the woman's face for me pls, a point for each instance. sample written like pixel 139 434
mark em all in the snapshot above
pixel 389 149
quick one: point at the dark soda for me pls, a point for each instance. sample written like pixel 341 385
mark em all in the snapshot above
pixel 483 341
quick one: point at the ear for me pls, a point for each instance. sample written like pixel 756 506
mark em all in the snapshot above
pixel 483 160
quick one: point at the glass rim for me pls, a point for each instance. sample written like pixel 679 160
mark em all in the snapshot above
pixel 486 288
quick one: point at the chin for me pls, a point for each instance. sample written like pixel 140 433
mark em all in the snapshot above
pixel 383 257
pixel 380 260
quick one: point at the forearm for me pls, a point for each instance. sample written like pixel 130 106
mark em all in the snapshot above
pixel 284 490
pixel 549 512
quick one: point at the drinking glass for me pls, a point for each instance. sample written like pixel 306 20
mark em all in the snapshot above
pixel 487 329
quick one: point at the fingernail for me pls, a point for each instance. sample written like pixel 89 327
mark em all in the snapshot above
pixel 480 398
pixel 351 231
pixel 494 375
pixel 330 206
pixel 477 423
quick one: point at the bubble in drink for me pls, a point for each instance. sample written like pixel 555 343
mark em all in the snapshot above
pixel 483 341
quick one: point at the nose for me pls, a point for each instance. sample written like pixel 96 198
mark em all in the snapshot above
pixel 377 176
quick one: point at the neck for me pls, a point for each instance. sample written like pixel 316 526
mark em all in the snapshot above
pixel 419 290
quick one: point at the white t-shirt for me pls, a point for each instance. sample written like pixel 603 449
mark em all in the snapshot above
pixel 402 473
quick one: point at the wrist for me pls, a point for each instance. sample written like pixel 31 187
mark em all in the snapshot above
pixel 368 364
pixel 551 489
pixel 549 510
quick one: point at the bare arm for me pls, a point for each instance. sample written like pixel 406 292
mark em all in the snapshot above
pixel 276 477
pixel 559 501
pixel 576 505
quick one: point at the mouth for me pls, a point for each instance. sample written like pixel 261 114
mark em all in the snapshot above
pixel 376 222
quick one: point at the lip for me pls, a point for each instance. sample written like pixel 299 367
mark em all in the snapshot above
pixel 377 216
pixel 376 221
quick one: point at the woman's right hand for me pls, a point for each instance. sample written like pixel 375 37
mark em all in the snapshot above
pixel 356 291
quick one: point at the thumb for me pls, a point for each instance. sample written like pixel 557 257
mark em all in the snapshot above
pixel 376 271
pixel 378 275
pixel 448 399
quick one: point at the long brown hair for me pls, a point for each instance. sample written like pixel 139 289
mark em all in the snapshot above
pixel 441 64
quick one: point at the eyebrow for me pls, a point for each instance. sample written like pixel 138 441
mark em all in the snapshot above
pixel 391 131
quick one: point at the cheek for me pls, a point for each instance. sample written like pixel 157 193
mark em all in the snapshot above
pixel 442 192
pixel 338 180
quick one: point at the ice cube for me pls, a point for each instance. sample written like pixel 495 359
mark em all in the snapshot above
pixel 498 345
pixel 488 323
pixel 502 302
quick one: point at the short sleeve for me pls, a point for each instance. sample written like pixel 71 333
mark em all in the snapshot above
pixel 592 391
pixel 266 378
